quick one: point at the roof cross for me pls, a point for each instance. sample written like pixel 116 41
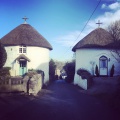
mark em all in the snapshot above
pixel 25 18
pixel 99 23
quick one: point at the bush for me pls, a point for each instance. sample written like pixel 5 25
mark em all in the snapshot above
pixel 52 68
pixel 4 73
pixel 112 71
pixel 96 71
pixel 3 55
pixel 32 72
pixel 56 77
pixel 39 71
pixel 85 74
pixel 61 77
pixel 70 71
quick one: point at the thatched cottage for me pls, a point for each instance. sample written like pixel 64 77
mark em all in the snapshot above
pixel 95 49
pixel 26 49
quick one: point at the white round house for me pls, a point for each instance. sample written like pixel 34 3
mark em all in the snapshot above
pixel 26 49
pixel 97 48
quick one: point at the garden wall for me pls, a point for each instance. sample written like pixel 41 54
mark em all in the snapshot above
pixel 82 83
pixel 11 85
pixel 30 85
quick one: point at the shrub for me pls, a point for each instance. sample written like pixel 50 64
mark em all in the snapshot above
pixel 32 72
pixel 61 77
pixel 56 77
pixel 3 55
pixel 112 71
pixel 30 69
pixel 52 68
pixel 40 71
pixel 4 73
pixel 85 74
pixel 96 71
pixel 70 71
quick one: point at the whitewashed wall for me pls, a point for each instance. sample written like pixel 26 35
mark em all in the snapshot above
pixel 39 59
pixel 12 54
pixel 85 56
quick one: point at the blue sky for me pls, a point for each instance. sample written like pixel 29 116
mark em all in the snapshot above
pixel 59 21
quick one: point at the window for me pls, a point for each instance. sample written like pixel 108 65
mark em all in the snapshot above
pixel 103 62
pixel 22 49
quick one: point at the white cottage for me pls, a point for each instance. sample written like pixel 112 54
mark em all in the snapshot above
pixel 95 49
pixel 26 49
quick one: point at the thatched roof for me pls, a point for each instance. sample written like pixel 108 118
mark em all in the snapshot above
pixel 98 38
pixel 25 34
pixel 114 45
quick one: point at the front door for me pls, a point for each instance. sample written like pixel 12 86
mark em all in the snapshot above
pixel 103 65
pixel 23 67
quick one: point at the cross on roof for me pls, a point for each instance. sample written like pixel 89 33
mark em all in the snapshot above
pixel 25 18
pixel 99 23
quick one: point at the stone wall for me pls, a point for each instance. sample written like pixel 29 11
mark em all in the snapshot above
pixel 32 85
pixel 11 85
pixel 81 82
pixel 28 84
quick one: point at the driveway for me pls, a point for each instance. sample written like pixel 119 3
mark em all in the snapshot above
pixel 62 101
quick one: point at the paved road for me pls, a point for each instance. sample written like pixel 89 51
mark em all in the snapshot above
pixel 62 101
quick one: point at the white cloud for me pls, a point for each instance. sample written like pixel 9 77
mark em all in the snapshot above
pixel 107 18
pixel 113 6
pixel 103 6
pixel 70 39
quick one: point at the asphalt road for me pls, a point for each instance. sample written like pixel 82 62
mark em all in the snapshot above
pixel 62 101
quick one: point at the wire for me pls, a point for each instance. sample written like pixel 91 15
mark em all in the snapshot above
pixel 85 25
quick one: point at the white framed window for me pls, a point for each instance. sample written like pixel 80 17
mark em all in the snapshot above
pixel 22 49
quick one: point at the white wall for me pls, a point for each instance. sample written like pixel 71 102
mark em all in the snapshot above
pixel 39 59
pixel 85 56
pixel 12 54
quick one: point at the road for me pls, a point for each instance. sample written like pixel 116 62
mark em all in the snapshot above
pixel 62 101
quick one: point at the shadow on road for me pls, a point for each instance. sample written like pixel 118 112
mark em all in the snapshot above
pixel 61 101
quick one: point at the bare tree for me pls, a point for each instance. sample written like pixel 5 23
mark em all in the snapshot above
pixel 114 30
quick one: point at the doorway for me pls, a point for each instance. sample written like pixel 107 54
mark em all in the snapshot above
pixel 103 65
pixel 23 67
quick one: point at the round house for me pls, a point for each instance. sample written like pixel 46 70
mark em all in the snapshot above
pixel 95 49
pixel 26 49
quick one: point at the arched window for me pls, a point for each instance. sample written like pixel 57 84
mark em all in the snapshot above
pixel 103 62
